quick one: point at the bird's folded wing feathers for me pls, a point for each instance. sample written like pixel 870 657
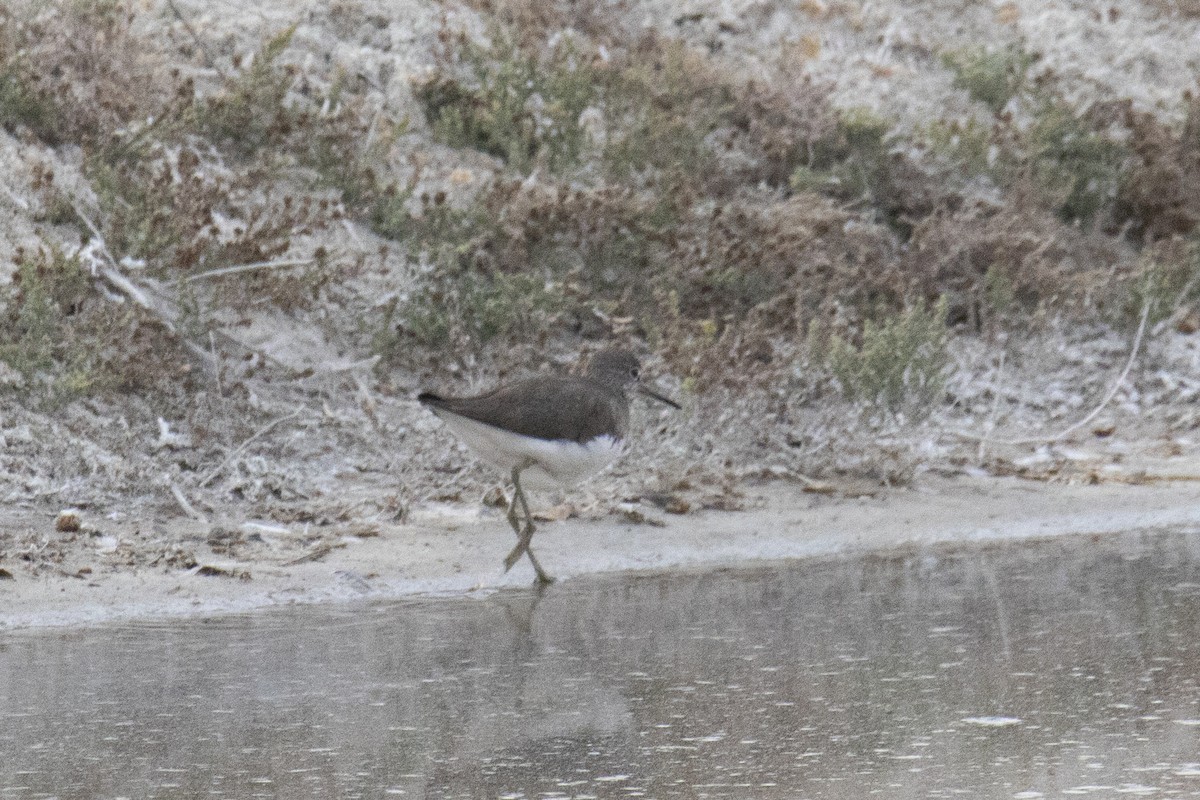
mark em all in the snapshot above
pixel 562 409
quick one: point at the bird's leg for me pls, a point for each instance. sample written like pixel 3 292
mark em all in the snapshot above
pixel 512 516
pixel 527 537
pixel 525 534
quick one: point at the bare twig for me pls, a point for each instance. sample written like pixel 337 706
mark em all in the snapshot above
pixel 216 357
pixel 1180 300
pixel 259 265
pixel 187 507
pixel 238 450
pixel 187 26
pixel 316 554
pixel 363 363
pixel 1095 412
pixel 991 423
pixel 134 293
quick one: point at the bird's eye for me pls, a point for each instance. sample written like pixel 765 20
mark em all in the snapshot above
pixel 634 371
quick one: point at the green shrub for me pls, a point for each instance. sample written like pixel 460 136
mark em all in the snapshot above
pixel 21 104
pixel 991 77
pixel 1060 160
pixel 969 145
pixel 900 363
pixel 663 100
pixel 1078 169
pixel 1169 278
pixel 162 208
pixel 45 290
pixel 437 223
pixel 471 307
pixel 68 340
pixel 1063 156
pixel 999 290
pixel 852 163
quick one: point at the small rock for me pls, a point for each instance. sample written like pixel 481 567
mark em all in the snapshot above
pixel 69 520
pixel 677 505
pixel 556 513
pixel 22 434
pixel 211 571
pixel 633 514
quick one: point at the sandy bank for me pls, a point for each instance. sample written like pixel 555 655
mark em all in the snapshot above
pixel 458 550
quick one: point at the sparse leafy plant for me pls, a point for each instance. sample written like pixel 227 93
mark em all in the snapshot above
pixel 992 77
pixel 80 74
pixel 665 99
pixel 250 112
pixel 21 105
pixel 477 308
pixel 968 144
pixel 1160 191
pixel 45 289
pixel 1065 157
pixel 999 290
pixel 1169 278
pixel 512 104
pixel 436 223
pixel 899 363
pixel 167 209
pixel 1061 160
pixel 60 332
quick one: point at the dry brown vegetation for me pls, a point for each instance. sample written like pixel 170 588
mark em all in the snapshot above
pixel 729 200
pixel 732 203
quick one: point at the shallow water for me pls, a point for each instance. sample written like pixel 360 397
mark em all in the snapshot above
pixel 1069 667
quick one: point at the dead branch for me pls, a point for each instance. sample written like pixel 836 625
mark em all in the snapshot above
pixel 187 507
pixel 1095 412
pixel 258 265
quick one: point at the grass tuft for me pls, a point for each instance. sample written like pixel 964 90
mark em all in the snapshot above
pixel 66 341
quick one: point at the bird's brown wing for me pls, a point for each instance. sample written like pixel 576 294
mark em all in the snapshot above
pixel 571 409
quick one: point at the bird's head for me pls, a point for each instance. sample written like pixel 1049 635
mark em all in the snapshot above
pixel 621 370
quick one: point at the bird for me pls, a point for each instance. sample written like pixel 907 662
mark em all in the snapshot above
pixel 550 430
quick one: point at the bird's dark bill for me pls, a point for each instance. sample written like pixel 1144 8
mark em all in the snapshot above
pixel 651 393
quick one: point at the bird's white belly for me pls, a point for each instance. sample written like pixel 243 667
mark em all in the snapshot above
pixel 551 463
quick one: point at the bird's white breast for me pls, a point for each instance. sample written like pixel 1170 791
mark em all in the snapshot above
pixel 553 463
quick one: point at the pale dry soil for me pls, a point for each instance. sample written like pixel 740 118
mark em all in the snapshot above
pixel 457 550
